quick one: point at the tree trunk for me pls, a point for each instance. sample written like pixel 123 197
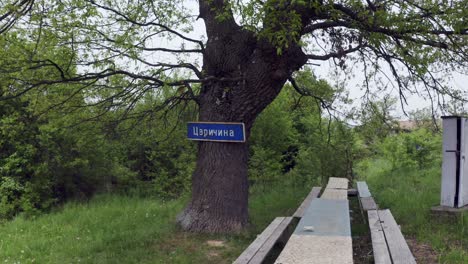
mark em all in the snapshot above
pixel 219 189
pixel 246 74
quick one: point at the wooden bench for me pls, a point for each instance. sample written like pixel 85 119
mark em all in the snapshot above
pixel 323 235
pixel 365 198
pixel 262 246
pixel 388 244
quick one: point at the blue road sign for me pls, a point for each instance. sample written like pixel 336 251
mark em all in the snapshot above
pixel 214 131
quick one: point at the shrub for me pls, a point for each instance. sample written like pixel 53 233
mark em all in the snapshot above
pixel 419 149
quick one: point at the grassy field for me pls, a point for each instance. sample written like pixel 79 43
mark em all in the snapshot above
pixel 122 229
pixel 410 193
pixel 125 229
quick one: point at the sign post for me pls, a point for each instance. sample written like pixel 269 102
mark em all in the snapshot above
pixel 216 131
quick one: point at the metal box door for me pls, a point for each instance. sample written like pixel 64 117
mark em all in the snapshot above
pixel 463 186
pixel 449 161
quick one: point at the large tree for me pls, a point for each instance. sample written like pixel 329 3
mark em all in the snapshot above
pixel 122 49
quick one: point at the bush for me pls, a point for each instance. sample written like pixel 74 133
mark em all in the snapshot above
pixel 10 195
pixel 291 137
pixel 264 165
pixel 419 148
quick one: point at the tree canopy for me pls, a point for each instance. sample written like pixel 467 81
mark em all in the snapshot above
pixel 408 42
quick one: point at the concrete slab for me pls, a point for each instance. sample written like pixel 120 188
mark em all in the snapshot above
pixel 327 217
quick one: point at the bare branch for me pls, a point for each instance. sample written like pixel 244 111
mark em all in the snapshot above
pixel 305 92
pixel 338 54
pixel 166 28
pixel 172 50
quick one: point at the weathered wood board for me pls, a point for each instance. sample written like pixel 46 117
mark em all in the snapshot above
pixel 368 203
pixel 259 249
pixel 335 194
pixel 337 183
pixel 379 245
pixel 270 242
pixel 399 250
pixel 363 190
pixel 323 235
pixel 314 193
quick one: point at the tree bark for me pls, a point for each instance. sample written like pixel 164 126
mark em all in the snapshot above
pixel 219 189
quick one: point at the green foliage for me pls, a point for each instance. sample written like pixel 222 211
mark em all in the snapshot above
pixel 282 26
pixel 10 191
pixel 272 136
pixel 291 136
pixel 22 188
pixel 156 148
pixel 51 152
pixel 419 148
pixel 49 162
pixel 265 165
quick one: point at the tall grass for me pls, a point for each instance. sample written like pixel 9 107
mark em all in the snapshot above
pixel 410 193
pixel 123 229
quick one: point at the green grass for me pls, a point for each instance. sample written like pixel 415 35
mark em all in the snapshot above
pixel 121 229
pixel 410 193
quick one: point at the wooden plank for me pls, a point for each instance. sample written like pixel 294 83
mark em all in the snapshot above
pixel 363 190
pixel 335 194
pixel 399 250
pixel 368 203
pixel 323 235
pixel 271 241
pixel 312 195
pixel 248 254
pixel 379 245
pixel 337 183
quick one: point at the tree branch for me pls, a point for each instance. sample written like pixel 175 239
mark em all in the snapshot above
pixel 17 9
pixel 166 28
pixel 338 54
